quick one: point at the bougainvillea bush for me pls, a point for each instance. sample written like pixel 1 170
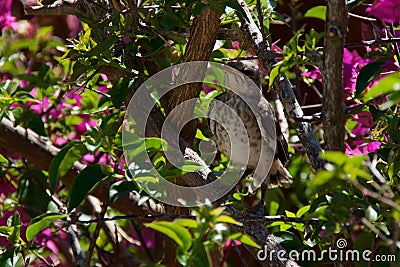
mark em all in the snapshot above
pixel 66 198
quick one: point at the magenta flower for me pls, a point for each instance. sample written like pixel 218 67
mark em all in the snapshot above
pixel 385 10
pixel 362 148
pixel 75 26
pixel 236 45
pixel 365 122
pixel 7 21
pixel 352 64
pixel 314 74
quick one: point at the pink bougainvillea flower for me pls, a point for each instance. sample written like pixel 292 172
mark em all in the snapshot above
pixel 314 74
pixel 385 10
pixel 365 122
pixel 362 147
pixel 82 127
pixel 75 25
pixel 7 21
pixel 352 64
pixel 236 45
pixel 40 106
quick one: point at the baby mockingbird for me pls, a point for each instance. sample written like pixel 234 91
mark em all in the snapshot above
pixel 278 174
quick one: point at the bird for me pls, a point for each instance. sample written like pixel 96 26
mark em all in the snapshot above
pixel 224 127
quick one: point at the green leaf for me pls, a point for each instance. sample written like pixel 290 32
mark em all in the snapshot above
pixel 121 188
pixel 367 74
pixel 190 223
pixel 288 240
pixel 40 222
pixel 386 85
pixel 3 159
pixel 321 178
pixel 31 193
pixel 318 12
pixel 177 233
pixel 86 181
pixel 245 239
pixel 302 210
pixel 199 258
pixel 200 135
pixel 64 160
pixel 339 158
pixel 227 219
pixel 290 214
pixel 188 166
pixel 197 8
pixel 14 222
pixel 273 75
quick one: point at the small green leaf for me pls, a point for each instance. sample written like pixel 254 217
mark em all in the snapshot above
pixel 386 85
pixel 188 166
pixel 227 219
pixel 317 12
pixel 302 210
pixel 177 233
pixel 64 160
pixel 321 178
pixel 336 157
pixel 245 239
pixel 367 74
pixel 186 223
pixel 200 135
pixel 121 188
pixel 146 179
pixel 86 181
pixel 40 222
pixel 3 159
pixel 289 240
pixel 273 75
pixel 197 8
pixel 290 214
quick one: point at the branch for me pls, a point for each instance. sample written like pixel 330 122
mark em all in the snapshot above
pixel 30 146
pixel 332 80
pixel 379 41
pixel 63 7
pixel 283 87
pixel 170 217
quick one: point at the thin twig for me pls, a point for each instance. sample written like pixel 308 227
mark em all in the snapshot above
pixel 260 19
pixel 394 45
pixel 373 42
pixel 361 17
pixel 277 218
pixel 375 195
pixel 239 254
pixel 143 242
pixel 95 236
pixel 75 246
pixel 372 227
pixel 270 55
